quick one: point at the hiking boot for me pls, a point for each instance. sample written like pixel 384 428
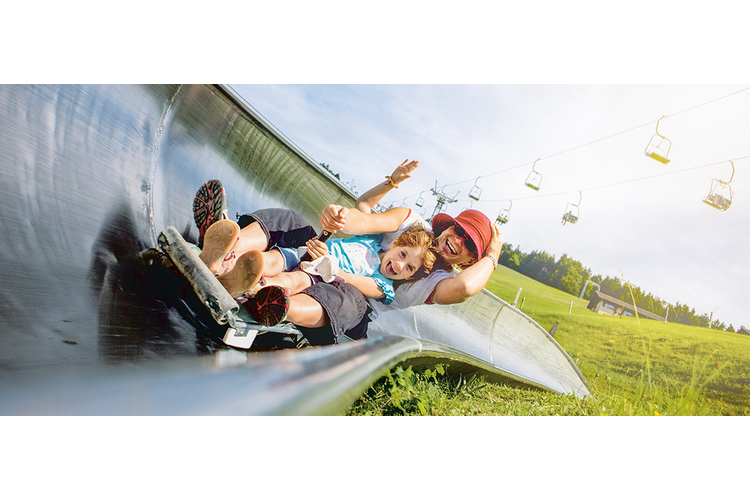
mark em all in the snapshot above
pixel 245 275
pixel 209 206
pixel 217 253
pixel 270 305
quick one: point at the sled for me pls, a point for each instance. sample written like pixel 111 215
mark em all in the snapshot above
pixel 205 303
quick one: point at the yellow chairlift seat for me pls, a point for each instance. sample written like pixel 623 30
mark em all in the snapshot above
pixel 534 180
pixel 718 201
pixel 656 150
pixel 476 191
pixel 658 147
pixel 720 196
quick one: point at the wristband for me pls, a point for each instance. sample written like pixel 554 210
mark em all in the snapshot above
pixel 391 182
pixel 494 262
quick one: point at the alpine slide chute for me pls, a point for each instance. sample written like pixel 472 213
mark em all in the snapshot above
pixel 91 175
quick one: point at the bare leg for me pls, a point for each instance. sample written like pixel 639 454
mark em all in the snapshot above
pixel 273 263
pixel 294 281
pixel 252 237
pixel 306 312
pixel 272 305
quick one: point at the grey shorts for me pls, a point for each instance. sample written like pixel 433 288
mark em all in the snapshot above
pixel 284 228
pixel 346 308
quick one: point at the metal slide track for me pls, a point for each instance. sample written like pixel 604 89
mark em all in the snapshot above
pixel 319 381
pixel 90 175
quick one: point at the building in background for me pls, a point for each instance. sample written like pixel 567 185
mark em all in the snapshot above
pixel 604 304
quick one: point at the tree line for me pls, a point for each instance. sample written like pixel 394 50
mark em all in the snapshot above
pixel 570 276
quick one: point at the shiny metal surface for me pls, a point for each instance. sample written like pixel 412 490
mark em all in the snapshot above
pixel 491 330
pixel 89 176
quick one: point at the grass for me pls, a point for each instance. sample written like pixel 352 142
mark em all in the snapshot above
pixel 634 367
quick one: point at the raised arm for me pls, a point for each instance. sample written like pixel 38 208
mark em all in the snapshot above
pixel 471 280
pixel 361 220
pixel 368 200
pixel 352 221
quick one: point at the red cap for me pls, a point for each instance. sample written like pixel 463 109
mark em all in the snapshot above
pixel 474 222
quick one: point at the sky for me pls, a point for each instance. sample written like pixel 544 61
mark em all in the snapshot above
pixel 639 220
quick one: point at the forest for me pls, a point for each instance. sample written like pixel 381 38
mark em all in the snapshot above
pixel 570 276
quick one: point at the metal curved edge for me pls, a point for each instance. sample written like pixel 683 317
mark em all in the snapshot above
pixel 546 335
pixel 314 381
pixel 433 353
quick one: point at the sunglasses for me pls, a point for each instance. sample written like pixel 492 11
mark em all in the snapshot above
pixel 468 242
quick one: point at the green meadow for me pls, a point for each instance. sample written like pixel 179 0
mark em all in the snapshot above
pixel 634 367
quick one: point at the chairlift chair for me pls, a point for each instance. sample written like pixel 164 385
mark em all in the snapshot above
pixel 420 200
pixel 658 147
pixel 534 180
pixel 504 215
pixel 476 191
pixel 720 196
pixel 570 216
pixel 572 211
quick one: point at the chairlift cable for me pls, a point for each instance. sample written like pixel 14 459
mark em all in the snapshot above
pixel 593 142
pixel 620 182
pixel 605 138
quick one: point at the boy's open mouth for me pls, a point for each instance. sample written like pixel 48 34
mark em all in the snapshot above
pixel 389 269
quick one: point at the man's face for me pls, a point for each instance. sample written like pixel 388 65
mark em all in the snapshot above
pixel 453 247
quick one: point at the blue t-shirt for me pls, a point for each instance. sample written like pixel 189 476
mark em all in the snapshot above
pixel 359 255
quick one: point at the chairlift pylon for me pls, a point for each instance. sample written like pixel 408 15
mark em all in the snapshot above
pixel 504 215
pixel 534 180
pixel 720 196
pixel 572 211
pixel 658 147
pixel 442 199
pixel 476 191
